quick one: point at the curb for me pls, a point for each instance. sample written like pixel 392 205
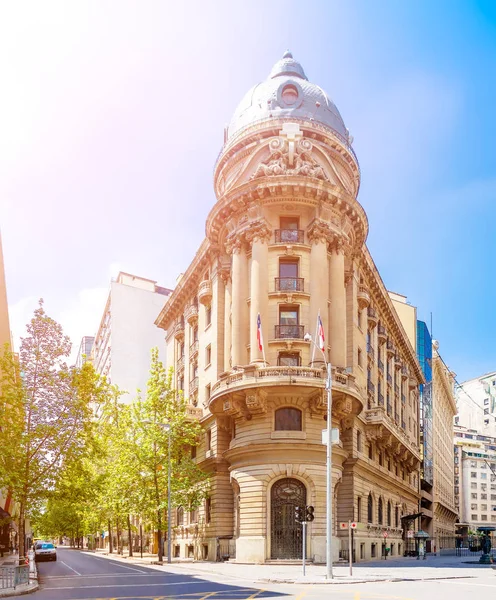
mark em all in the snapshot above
pixel 32 588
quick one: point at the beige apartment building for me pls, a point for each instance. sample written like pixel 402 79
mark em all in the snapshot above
pixel 286 241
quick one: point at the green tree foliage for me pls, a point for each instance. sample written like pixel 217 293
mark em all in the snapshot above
pixel 45 411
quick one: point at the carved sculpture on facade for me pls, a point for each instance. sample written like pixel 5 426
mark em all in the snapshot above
pixel 256 402
pixel 283 162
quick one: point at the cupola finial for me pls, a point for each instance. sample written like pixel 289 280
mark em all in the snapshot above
pixel 287 54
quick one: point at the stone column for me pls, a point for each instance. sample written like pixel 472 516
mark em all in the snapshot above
pixel 338 307
pixel 227 322
pixel 239 318
pixel 319 289
pixel 258 295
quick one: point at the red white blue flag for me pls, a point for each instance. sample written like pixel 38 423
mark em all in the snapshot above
pixel 320 334
pixel 259 333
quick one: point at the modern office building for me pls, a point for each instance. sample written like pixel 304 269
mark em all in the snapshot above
pixel 476 401
pixel 475 478
pixel 122 346
pixel 84 352
pixel 285 255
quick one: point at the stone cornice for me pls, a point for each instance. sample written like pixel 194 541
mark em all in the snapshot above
pixel 439 369
pixel 187 285
pixel 381 299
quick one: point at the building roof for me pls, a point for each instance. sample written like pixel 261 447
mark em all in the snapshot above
pixel 287 93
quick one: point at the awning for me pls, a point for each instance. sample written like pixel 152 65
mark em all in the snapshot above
pixel 412 517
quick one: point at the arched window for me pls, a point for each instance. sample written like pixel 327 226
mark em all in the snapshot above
pixel 389 514
pixel 379 512
pixel 288 419
pixel 370 509
pixel 180 515
pixel 359 441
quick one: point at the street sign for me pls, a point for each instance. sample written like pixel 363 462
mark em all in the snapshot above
pixel 409 534
pixel 334 434
pixel 353 525
pixel 343 526
pixel 385 534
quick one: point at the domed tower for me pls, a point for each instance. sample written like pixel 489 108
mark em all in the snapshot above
pixel 284 257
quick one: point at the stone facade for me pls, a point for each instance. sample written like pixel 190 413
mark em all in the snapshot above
pixel 286 243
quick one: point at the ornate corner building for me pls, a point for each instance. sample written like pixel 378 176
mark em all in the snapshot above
pixel 286 241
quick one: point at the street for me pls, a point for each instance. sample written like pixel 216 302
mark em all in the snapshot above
pixel 81 576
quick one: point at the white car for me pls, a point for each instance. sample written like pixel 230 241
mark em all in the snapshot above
pixel 45 551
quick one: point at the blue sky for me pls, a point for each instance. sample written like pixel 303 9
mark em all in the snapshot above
pixel 112 116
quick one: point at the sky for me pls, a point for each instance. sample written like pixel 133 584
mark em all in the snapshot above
pixel 112 116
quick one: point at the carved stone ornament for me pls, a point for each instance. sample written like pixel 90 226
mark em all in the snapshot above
pixel 256 402
pixel 343 407
pixel 233 244
pixel 290 158
pixel 319 231
pixel 258 230
pixel 317 403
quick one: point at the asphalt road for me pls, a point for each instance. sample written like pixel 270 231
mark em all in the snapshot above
pixel 80 576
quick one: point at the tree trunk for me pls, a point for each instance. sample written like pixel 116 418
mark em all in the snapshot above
pixel 22 532
pixel 159 536
pixel 130 539
pixel 119 538
pixel 110 539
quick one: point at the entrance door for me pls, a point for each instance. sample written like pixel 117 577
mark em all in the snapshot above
pixel 286 533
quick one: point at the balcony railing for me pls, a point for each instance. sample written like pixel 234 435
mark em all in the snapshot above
pixel 370 351
pixel 193 385
pixel 381 364
pixel 380 399
pixel 370 386
pixel 193 349
pixel 389 379
pixel 289 284
pixel 289 236
pixel 285 332
pixel 180 363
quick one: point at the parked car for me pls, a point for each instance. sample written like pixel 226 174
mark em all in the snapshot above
pixel 45 551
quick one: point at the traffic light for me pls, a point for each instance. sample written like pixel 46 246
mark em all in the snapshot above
pixel 309 517
pixel 299 513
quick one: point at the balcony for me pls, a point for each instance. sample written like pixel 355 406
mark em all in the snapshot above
pixel 389 408
pixel 193 385
pixel 244 392
pixel 380 399
pixel 389 378
pixel 397 361
pixel 205 292
pixel 370 351
pixel 404 373
pixel 193 413
pixel 193 349
pixel 381 334
pixel 363 297
pixel 289 332
pixel 412 383
pixel 289 236
pixel 180 363
pixel 370 387
pixel 191 314
pixel 179 330
pixel 390 348
pixel 396 388
pixel 289 284
pixel 372 317
pixel 380 364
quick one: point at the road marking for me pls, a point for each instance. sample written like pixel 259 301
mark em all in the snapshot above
pixel 255 594
pixel 127 585
pixel 468 583
pixel 209 595
pixel 118 564
pixel 302 595
pixel 356 596
pixel 77 572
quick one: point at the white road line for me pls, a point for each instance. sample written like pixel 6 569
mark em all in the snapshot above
pixel 77 573
pixel 469 583
pixel 88 587
pixel 118 564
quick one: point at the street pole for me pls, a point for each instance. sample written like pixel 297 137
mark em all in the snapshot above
pixel 329 475
pixel 350 546
pixel 141 539
pixel 304 526
pixel 169 510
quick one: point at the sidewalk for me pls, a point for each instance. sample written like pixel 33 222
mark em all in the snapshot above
pixel 393 569
pixel 12 560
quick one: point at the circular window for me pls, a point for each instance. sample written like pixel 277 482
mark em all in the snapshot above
pixel 289 94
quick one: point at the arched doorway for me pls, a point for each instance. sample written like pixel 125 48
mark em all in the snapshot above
pixel 286 532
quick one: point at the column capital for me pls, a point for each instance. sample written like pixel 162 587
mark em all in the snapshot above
pixel 319 231
pixel 234 243
pixel 258 230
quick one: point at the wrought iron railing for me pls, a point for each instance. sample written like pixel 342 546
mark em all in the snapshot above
pixel 289 284
pixel 289 236
pixel 283 332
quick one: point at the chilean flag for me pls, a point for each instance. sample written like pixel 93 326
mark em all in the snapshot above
pixel 259 333
pixel 320 334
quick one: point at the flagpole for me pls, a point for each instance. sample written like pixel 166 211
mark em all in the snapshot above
pixel 316 334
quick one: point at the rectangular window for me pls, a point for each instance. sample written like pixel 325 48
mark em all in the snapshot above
pixel 473 506
pixel 483 506
pixel 289 326
pixel 360 358
pixel 208 510
pixel 193 451
pixel 209 439
pixel 359 509
pixel 207 392
pixel 208 315
pixel 473 485
pixel 473 475
pixel 208 355
pixel 289 315
pixel 483 517
pixel 473 496
pixel 288 359
pixel 483 475
pixel 288 268
pixel 289 223
pixel 474 517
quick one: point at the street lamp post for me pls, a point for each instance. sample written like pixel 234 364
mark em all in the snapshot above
pixel 328 386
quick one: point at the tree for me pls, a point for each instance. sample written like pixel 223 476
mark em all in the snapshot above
pixel 149 442
pixel 45 411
